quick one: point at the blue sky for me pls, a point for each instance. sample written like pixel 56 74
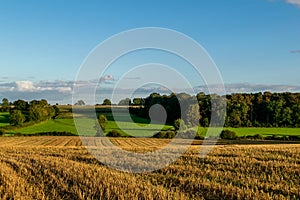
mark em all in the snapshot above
pixel 250 41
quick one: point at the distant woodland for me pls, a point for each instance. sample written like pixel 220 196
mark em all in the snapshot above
pixel 243 109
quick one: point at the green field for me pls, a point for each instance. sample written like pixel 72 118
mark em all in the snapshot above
pixel 134 126
pixel 128 128
pixel 253 131
pixel 265 131
pixel 4 119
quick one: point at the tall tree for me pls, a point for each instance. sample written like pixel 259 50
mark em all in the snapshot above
pixel 100 125
pixel 192 115
pixel 5 105
pixel 125 102
pixel 16 118
pixel 106 102
pixel 80 103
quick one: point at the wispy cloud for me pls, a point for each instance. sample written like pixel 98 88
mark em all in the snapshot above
pixel 295 51
pixel 294 2
pixel 248 88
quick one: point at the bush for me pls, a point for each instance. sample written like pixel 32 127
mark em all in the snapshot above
pixel 172 129
pixel 55 133
pixel 2 132
pixel 160 134
pixel 170 134
pixel 275 137
pixel 188 134
pixel 228 135
pixel 164 134
pixel 258 137
pixel 18 134
pixel 52 133
pixel 294 137
pixel 114 133
pixel 179 124
pixel 199 137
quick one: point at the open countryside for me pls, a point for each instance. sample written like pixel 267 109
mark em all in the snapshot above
pixel 246 163
pixel 150 100
pixel 69 126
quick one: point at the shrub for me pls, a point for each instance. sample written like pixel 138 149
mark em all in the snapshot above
pixel 294 137
pixel 2 132
pixel 258 136
pixel 179 124
pixel 285 137
pixel 55 133
pixel 164 134
pixel 229 135
pixel 275 137
pixel 114 133
pixel 172 129
pixel 188 134
pixel 160 134
pixel 18 134
pixel 199 137
pixel 170 134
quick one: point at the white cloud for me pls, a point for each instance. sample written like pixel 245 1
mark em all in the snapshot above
pixel 294 2
pixel 25 86
pixel 29 86
pixel 64 89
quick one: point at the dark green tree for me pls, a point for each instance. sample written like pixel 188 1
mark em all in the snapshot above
pixel 80 103
pixel 179 125
pixel 125 102
pixel 16 118
pixel 21 105
pixel 100 125
pixel 5 105
pixel 40 111
pixel 106 102
pixel 192 115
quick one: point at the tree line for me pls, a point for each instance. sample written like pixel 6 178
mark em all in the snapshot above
pixel 243 109
pixel 34 111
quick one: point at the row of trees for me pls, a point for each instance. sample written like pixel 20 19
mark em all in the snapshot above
pixel 125 102
pixel 267 110
pixel 243 110
pixel 35 111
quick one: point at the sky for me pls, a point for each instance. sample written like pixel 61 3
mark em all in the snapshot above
pixel 254 43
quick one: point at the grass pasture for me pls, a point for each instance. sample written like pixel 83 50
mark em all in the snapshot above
pixel 4 119
pixel 126 125
pixel 54 125
pixel 136 129
pixel 126 128
pixel 60 168
pixel 265 131
pixel 244 131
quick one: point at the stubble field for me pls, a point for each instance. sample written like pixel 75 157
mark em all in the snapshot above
pixel 60 168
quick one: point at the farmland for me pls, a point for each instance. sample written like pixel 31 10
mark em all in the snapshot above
pixel 87 124
pixel 4 119
pixel 128 127
pixel 120 120
pixel 60 168
pixel 244 131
